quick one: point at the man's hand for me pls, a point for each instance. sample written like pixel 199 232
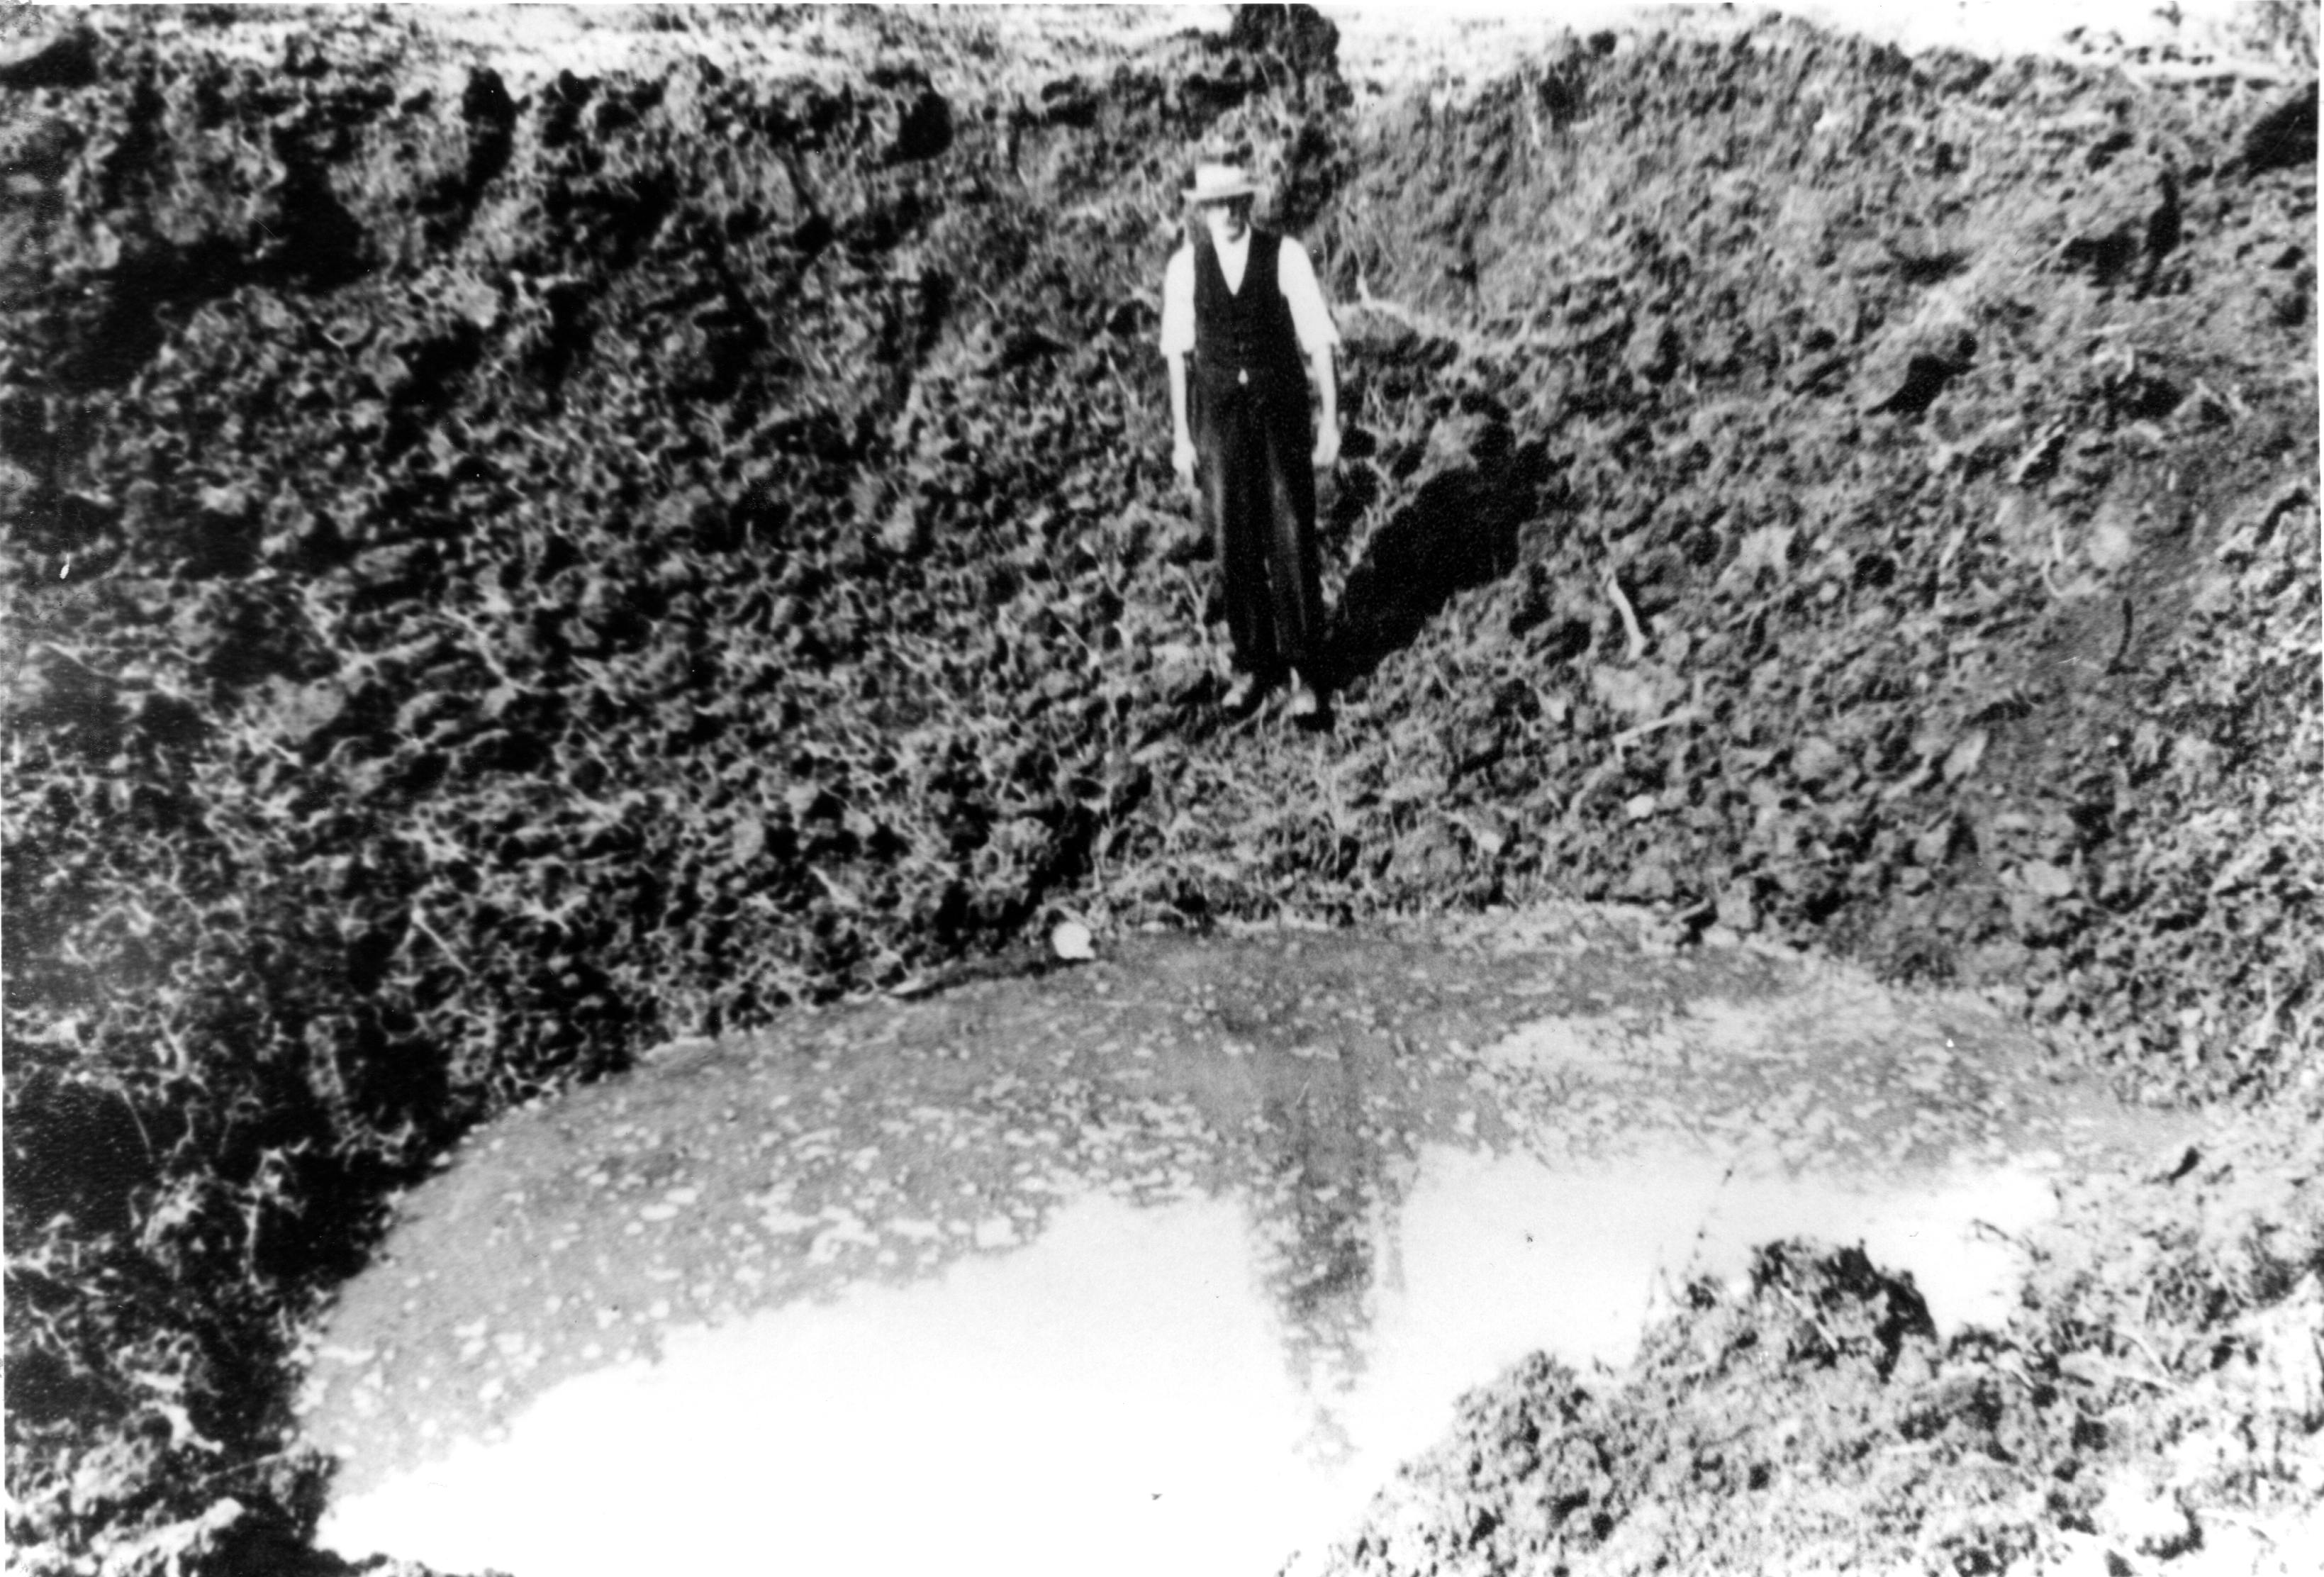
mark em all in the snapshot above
pixel 1182 460
pixel 1327 447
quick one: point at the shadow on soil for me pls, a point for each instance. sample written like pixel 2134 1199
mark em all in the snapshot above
pixel 1460 532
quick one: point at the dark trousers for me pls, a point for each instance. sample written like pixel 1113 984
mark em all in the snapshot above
pixel 1253 470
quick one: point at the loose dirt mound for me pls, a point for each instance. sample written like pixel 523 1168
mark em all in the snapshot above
pixel 503 572
pixel 2158 1397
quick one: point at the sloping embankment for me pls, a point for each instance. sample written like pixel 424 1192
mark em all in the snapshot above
pixel 502 574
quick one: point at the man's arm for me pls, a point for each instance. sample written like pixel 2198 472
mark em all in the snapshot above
pixel 1324 368
pixel 1181 437
pixel 1312 316
pixel 1177 340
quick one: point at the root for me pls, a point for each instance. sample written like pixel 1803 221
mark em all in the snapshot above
pixel 1636 637
pixel 420 924
pixel 2056 556
pixel 1632 735
pixel 1470 344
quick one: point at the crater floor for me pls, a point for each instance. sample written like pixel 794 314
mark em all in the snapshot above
pixel 1180 1251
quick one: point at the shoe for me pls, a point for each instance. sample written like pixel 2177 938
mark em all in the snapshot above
pixel 1305 706
pixel 1243 695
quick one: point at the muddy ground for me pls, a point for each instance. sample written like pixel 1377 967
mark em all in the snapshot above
pixel 512 563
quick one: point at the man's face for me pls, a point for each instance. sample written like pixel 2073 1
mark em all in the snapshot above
pixel 1227 220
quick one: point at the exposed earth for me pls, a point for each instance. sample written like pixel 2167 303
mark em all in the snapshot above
pixel 581 581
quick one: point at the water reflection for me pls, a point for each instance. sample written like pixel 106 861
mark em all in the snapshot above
pixel 1322 1215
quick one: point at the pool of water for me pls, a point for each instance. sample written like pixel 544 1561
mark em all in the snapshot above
pixel 1162 1266
pixel 1123 1383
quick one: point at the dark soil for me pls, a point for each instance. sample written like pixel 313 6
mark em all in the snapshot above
pixel 505 569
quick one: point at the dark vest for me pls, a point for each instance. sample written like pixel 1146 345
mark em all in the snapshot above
pixel 1247 337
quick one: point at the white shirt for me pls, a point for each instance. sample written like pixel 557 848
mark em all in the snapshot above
pixel 1295 276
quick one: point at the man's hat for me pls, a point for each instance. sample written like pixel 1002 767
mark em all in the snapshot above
pixel 1219 183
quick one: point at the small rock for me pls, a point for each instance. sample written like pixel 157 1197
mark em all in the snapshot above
pixel 1817 374
pixel 1909 379
pixel 2039 462
pixel 684 1052
pixel 2285 137
pixel 1737 912
pixel 2138 1513
pixel 1963 758
pixel 1915 389
pixel 1069 102
pixel 905 533
pixel 1816 761
pixel 2177 1164
pixel 1654 351
pixel 1650 882
pixel 2046 881
pixel 1302 37
pixel 70 62
pixel 1430 853
pixel 399 567
pixel 925 131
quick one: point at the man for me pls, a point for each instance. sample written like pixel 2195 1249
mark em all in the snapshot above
pixel 1243 306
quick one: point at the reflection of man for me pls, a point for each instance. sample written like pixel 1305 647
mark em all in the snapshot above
pixel 1244 305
